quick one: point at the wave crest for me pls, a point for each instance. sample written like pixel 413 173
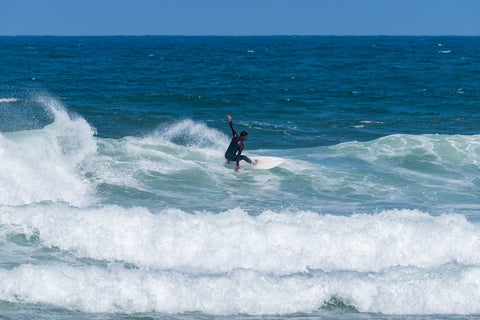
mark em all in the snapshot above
pixel 41 165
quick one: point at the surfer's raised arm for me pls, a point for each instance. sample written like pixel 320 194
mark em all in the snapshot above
pixel 231 125
pixel 234 150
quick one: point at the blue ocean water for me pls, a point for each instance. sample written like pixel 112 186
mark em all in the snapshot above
pixel 116 201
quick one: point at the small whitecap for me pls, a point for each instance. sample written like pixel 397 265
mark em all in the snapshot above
pixel 370 122
pixel 8 100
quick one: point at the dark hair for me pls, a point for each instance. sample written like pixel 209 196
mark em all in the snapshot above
pixel 243 133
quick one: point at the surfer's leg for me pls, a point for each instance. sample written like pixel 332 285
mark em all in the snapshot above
pixel 230 159
pixel 245 158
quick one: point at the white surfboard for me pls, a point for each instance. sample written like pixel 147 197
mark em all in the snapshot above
pixel 264 162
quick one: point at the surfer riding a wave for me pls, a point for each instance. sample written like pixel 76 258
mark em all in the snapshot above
pixel 234 150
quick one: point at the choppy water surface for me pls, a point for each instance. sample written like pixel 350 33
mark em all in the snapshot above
pixel 116 201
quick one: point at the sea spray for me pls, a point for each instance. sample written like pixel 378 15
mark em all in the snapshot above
pixel 44 164
pixel 191 134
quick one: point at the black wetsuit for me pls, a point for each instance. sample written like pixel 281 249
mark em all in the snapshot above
pixel 234 150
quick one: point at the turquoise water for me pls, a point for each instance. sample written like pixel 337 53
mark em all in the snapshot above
pixel 116 201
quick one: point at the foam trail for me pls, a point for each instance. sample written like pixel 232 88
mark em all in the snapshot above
pixel 170 150
pixel 40 165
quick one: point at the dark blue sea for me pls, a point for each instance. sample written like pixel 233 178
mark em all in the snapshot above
pixel 116 201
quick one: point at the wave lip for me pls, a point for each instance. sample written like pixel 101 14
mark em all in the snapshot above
pixel 44 165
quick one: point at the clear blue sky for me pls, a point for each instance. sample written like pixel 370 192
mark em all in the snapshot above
pixel 240 17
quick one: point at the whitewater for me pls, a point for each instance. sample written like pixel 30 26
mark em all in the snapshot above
pixel 93 224
pixel 116 201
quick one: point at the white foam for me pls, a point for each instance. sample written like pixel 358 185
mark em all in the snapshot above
pixel 39 165
pixel 447 290
pixel 277 243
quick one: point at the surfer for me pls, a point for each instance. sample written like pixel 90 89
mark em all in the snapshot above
pixel 234 150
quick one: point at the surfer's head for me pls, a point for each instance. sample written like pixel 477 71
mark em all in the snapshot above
pixel 244 135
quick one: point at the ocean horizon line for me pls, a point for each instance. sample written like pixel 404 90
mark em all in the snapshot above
pixel 242 36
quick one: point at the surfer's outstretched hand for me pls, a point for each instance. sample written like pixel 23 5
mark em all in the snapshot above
pixel 229 118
